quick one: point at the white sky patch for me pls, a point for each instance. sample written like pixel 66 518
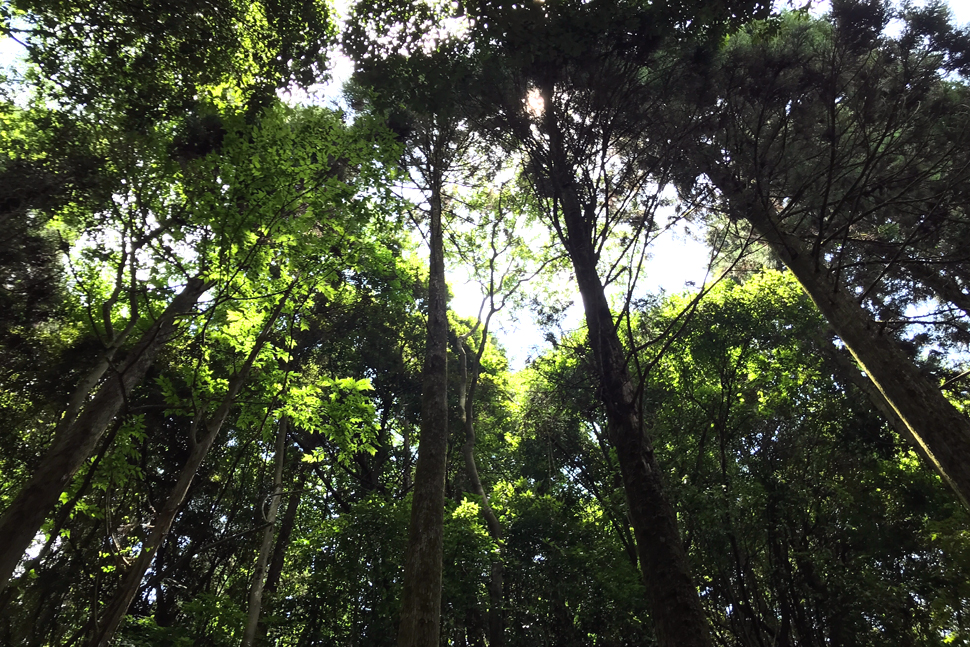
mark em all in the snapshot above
pixel 960 9
pixel 677 261
pixel 12 51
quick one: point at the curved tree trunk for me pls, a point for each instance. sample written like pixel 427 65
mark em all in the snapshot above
pixel 106 626
pixel 421 598
pixel 75 439
pixel 266 545
pixel 496 582
pixel 938 428
pixel 674 604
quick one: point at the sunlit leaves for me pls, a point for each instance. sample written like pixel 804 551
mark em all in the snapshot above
pixel 340 409
pixel 779 465
pixel 156 61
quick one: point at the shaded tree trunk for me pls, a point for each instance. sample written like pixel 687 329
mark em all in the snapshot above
pixel 266 545
pixel 846 368
pixel 76 438
pixel 496 582
pixel 275 571
pixel 421 600
pixel 944 286
pixel 106 626
pixel 673 601
pixel 286 531
pixel 60 519
pixel 672 596
pixel 938 428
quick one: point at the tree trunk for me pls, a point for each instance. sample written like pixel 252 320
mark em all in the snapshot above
pixel 421 599
pixel 496 582
pixel 60 519
pixel 286 530
pixel 672 597
pixel 275 571
pixel 259 577
pixel 75 440
pixel 935 424
pixel 674 604
pixel 106 626
pixel 847 369
pixel 945 287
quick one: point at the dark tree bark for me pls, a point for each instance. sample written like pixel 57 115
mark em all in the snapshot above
pixel 944 286
pixel 421 600
pixel 938 428
pixel 60 519
pixel 674 604
pixel 76 438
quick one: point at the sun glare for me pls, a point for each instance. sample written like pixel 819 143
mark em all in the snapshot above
pixel 534 103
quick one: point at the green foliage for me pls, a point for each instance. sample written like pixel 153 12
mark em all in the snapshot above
pixel 801 509
pixel 149 62
pixel 569 581
pixel 337 408
pixel 349 580
pixel 153 150
pixel 466 553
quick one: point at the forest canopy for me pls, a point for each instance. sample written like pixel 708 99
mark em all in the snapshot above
pixel 238 405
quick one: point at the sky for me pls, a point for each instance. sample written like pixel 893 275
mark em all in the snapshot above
pixel 676 259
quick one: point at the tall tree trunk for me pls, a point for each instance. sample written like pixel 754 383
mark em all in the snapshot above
pixel 496 582
pixel 848 370
pixel 75 439
pixel 266 545
pixel 286 531
pixel 674 604
pixel 935 424
pixel 421 599
pixel 106 626
pixel 59 520
pixel 275 572
pixel 672 597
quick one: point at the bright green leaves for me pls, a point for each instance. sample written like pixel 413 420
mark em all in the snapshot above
pixel 340 409
pixel 156 61
pixel 288 195
pixel 738 336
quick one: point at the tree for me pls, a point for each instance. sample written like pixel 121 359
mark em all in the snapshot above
pixel 696 469
pixel 421 89
pixel 81 428
pixel 854 143
pixel 502 263
pixel 806 514
pixel 80 51
pixel 246 224
pixel 577 89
